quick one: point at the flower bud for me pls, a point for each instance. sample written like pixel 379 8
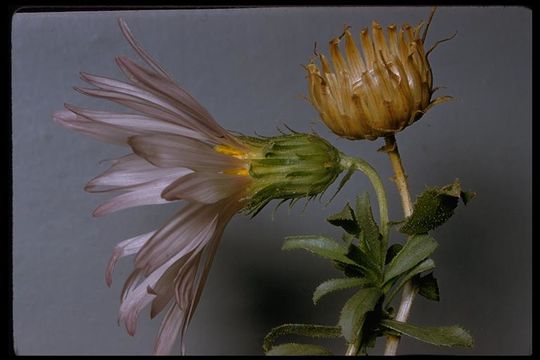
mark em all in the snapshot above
pixel 376 93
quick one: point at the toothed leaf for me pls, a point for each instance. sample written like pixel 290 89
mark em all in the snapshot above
pixel 452 336
pixel 319 245
pixel 315 331
pixel 354 311
pixel 297 349
pixel 346 220
pixel 343 181
pixel 433 208
pixel 428 287
pixel 416 249
pixel 333 285
pixel 371 237
pixel 392 252
pixel 425 265
pixel 467 196
pixel 364 261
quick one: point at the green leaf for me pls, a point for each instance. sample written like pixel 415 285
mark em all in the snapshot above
pixel 416 249
pixel 352 271
pixel 343 181
pixel 371 330
pixel 392 252
pixel 467 196
pixel 354 311
pixel 315 331
pixel 369 266
pixel 336 285
pixel 452 336
pixel 346 220
pixel 370 231
pixel 297 349
pixel 347 238
pixel 432 209
pixel 428 287
pixel 425 265
pixel 319 245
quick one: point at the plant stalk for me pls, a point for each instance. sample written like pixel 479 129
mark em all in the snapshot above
pixel 409 291
pixel 399 174
pixel 352 350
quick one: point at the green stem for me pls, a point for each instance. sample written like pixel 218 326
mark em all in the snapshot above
pixel 361 165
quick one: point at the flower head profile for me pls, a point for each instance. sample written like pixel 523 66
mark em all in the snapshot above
pixel 179 152
pixel 378 91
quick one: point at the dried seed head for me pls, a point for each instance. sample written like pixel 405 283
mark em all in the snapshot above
pixel 377 91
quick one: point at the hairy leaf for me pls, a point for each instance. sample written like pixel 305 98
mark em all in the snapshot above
pixel 392 252
pixel 452 336
pixel 319 245
pixel 336 285
pixel 346 220
pixel 425 265
pixel 351 271
pixel 315 331
pixel 354 311
pixel 343 181
pixel 371 330
pixel 370 231
pixel 369 265
pixel 428 287
pixel 467 196
pixel 297 349
pixel 433 208
pixel 416 249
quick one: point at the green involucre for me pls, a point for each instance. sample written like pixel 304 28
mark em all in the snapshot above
pixel 289 167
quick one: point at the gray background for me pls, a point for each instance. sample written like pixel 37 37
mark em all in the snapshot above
pixel 244 66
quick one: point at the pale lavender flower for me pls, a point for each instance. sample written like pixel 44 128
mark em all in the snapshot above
pixel 172 138
pixel 181 153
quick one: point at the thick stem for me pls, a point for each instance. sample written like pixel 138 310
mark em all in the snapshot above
pixel 399 174
pixel 409 291
pixel 359 164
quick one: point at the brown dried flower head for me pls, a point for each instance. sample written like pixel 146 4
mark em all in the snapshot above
pixel 376 93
